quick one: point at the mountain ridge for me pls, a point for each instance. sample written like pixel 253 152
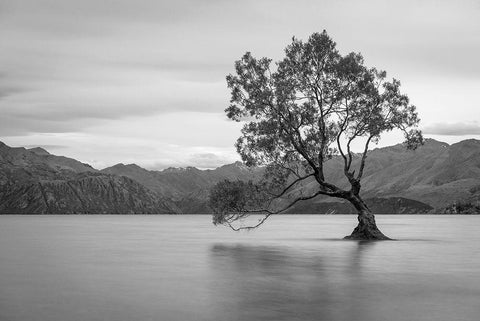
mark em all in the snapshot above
pixel 33 181
pixel 434 176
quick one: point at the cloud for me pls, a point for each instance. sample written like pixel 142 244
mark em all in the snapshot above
pixel 209 160
pixel 8 91
pixel 69 107
pixel 453 129
pixel 18 126
pixel 68 65
pixel 127 77
pixel 76 17
pixel 188 69
pixel 198 160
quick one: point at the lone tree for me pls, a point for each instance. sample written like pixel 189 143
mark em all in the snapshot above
pixel 310 107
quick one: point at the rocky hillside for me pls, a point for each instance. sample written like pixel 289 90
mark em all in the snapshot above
pixel 435 175
pixel 34 181
pixel 187 187
pixel 395 179
pixel 180 182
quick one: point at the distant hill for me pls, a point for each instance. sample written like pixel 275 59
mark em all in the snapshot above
pixel 179 182
pixel 396 180
pixel 34 181
pixel 187 187
pixel 436 174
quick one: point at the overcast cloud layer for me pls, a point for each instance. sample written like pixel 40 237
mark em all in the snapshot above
pixel 144 81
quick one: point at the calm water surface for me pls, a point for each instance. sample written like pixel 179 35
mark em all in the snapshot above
pixel 171 268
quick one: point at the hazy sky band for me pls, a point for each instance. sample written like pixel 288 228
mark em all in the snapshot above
pixel 144 81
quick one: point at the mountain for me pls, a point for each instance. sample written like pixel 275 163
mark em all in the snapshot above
pixel 39 151
pixel 34 181
pixel 436 174
pixel 187 187
pixel 396 180
pixel 179 182
pixel 36 158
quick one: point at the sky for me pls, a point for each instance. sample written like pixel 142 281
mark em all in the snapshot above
pixel 143 82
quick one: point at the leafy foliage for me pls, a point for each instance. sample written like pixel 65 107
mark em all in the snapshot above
pixel 309 107
pixel 236 198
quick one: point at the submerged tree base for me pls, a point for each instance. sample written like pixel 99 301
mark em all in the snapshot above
pixel 366 229
pixel 367 235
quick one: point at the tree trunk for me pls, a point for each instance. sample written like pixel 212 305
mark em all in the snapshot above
pixel 367 228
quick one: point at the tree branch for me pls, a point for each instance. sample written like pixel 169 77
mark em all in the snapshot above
pixel 364 157
pixel 292 184
pixel 269 213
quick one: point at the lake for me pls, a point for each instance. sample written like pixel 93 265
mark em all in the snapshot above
pixel 114 267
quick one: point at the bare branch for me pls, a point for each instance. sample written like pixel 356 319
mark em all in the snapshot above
pixel 292 184
pixel 364 157
pixel 269 213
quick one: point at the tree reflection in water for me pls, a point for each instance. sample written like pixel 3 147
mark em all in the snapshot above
pixel 282 283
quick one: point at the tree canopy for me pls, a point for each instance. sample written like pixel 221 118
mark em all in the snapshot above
pixel 301 111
